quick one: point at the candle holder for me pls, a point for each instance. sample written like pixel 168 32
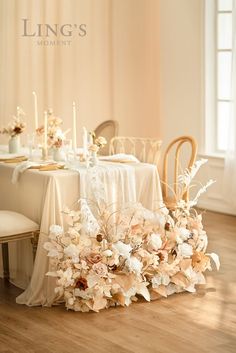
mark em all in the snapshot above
pixel 44 153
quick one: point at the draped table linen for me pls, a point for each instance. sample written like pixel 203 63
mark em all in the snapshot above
pixel 41 196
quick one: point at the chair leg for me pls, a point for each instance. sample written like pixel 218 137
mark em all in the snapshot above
pixel 5 258
pixel 34 242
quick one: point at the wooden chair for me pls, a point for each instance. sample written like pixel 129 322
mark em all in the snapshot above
pixel 13 227
pixel 107 129
pixel 177 144
pixel 147 150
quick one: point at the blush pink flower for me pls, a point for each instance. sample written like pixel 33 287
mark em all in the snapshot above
pixel 100 269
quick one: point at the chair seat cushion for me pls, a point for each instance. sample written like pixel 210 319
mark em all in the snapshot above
pixel 13 223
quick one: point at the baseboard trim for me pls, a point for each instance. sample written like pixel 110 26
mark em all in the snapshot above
pixel 221 208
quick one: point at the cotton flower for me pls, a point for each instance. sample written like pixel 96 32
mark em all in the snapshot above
pixel 134 265
pixel 185 250
pixel 182 234
pixel 123 249
pixel 155 242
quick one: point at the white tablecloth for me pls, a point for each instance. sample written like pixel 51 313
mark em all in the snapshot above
pixel 41 197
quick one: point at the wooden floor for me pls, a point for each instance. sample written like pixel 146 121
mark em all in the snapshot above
pixel 183 323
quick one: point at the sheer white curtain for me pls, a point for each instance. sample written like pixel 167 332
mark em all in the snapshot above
pixel 60 73
pixel 113 72
pixel 230 160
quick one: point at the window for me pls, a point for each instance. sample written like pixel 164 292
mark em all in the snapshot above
pixel 218 58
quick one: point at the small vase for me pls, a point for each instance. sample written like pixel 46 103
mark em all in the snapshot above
pixel 14 144
pixel 94 159
pixel 59 155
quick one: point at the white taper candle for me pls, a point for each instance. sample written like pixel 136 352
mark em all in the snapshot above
pixel 74 143
pixel 36 119
pixel 85 142
pixel 45 130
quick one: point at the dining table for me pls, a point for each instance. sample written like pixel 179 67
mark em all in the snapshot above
pixel 41 195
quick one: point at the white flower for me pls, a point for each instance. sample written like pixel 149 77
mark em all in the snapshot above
pixel 185 250
pixel 134 264
pixel 155 242
pixel 101 140
pixel 93 148
pixel 65 277
pixel 55 230
pixel 53 251
pixel 71 301
pixel 182 235
pixel 59 134
pixel 123 249
pixel 107 253
pixel 159 279
pixel 72 251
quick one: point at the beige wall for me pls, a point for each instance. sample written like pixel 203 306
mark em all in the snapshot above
pixel 135 57
pixel 181 68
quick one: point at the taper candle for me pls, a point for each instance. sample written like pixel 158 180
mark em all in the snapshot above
pixel 74 143
pixel 45 130
pixel 35 111
pixel 85 142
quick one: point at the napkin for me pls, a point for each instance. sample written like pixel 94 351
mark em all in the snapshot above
pixel 12 158
pixel 45 166
pixel 49 167
pixel 120 158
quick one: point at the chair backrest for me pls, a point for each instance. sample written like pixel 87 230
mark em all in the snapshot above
pixel 107 129
pixel 147 150
pixel 177 144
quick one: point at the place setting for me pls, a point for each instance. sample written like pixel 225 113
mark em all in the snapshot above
pixel 48 148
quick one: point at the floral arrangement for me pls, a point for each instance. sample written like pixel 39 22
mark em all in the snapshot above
pixel 114 258
pixel 97 142
pixel 16 126
pixel 55 134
